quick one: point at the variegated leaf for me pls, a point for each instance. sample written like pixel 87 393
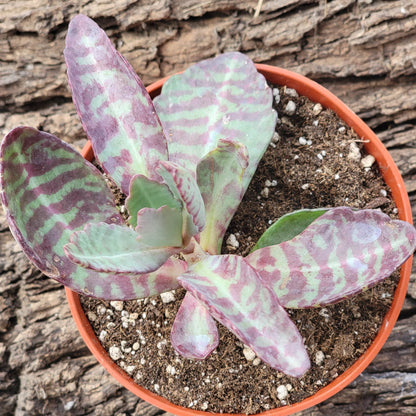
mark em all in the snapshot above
pixel 288 227
pixel 340 254
pixel 49 191
pixel 220 180
pixel 183 185
pixel 235 295
pixel 194 333
pixel 148 193
pixel 115 109
pixel 128 286
pixel 223 97
pixel 115 249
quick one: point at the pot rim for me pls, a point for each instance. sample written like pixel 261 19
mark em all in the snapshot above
pixel 392 177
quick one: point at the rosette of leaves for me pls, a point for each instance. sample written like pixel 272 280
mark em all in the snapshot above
pixel 184 162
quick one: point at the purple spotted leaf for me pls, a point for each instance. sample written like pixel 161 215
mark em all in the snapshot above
pixel 184 187
pixel 340 254
pixel 223 97
pixel 116 248
pixel 220 180
pixel 234 294
pixel 148 193
pixel 113 104
pixel 194 333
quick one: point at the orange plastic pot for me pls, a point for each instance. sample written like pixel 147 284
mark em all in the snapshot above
pixel 393 179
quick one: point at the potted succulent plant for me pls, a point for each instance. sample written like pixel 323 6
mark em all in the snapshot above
pixel 184 162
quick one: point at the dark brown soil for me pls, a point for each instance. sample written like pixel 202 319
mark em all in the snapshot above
pixel 308 165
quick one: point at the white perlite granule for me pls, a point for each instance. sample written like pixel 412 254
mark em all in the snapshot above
pixel 282 392
pixel 168 297
pixel 319 357
pixel 115 352
pixel 117 305
pixel 232 241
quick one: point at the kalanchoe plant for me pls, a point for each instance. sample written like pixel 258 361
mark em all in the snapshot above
pixel 184 162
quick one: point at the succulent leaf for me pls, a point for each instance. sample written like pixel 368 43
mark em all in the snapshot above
pixel 340 254
pixel 49 191
pixel 183 185
pixel 128 286
pixel 234 294
pixel 160 227
pixel 288 226
pixel 115 249
pixel 217 98
pixel 220 177
pixel 194 333
pixel 148 193
pixel 113 104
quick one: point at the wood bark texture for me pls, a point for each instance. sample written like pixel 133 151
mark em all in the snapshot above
pixel 364 51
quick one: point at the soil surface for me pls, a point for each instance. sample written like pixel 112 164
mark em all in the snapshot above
pixel 314 160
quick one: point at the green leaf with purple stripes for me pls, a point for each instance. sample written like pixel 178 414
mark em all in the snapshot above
pixel 288 226
pixel 223 97
pixel 116 248
pixel 182 184
pixel 113 104
pixel 194 333
pixel 129 287
pixel 148 193
pixel 220 180
pixel 340 254
pixel 49 191
pixel 234 294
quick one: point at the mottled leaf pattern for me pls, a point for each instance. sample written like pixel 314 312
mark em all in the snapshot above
pixel 220 177
pixel 115 248
pixel 234 295
pixel 147 193
pixel 223 97
pixel 338 255
pixel 115 109
pixel 288 227
pixel 194 333
pixel 183 185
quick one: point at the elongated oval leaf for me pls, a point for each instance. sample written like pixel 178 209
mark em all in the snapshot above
pixel 113 104
pixel 220 180
pixel 340 254
pixel 49 191
pixel 223 97
pixel 147 193
pixel 234 295
pixel 115 249
pixel 194 333
pixel 288 227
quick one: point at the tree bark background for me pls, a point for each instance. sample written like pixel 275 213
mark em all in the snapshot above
pixel 364 51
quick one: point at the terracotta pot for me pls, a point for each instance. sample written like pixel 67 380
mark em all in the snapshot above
pixel 393 179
